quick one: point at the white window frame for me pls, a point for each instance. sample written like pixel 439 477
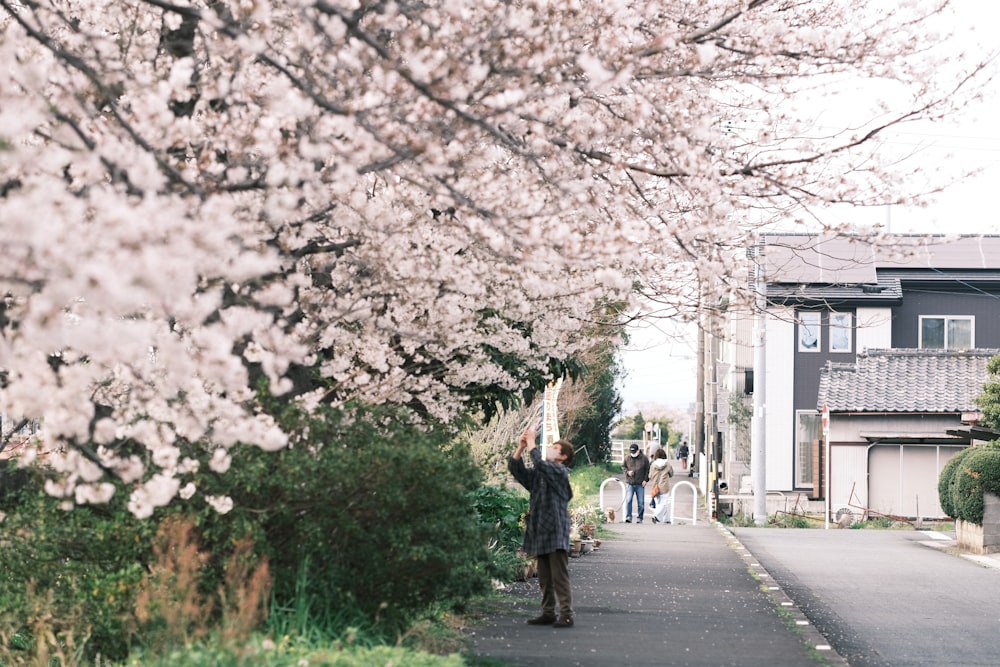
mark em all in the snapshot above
pixel 804 454
pixel 845 322
pixel 945 320
pixel 805 327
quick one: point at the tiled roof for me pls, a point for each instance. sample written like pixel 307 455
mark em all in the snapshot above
pixel 905 380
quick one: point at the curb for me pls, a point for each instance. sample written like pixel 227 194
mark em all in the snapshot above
pixel 784 605
pixel 950 545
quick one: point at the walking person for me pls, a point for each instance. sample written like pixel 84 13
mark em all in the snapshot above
pixel 547 526
pixel 660 474
pixel 682 454
pixel 636 469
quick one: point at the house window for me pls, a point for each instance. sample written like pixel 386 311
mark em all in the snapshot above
pixel 940 332
pixel 809 332
pixel 807 435
pixel 840 332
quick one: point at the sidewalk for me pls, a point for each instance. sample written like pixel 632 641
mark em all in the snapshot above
pixel 947 542
pixel 657 594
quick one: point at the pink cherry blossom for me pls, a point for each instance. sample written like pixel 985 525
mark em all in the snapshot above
pixel 197 195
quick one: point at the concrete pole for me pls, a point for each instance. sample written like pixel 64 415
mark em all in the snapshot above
pixel 758 466
pixel 698 444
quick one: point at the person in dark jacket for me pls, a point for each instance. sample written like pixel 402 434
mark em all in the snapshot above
pixel 682 455
pixel 636 469
pixel 547 526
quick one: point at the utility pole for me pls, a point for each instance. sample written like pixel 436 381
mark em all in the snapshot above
pixel 758 467
pixel 699 417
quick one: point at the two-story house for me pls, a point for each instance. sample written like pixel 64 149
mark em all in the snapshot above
pixel 893 337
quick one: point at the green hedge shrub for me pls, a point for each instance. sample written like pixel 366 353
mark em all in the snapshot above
pixel 72 572
pixel 501 512
pixel 977 473
pixel 366 509
pixel 946 483
pixel 989 400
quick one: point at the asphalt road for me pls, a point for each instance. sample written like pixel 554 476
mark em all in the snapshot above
pixel 653 595
pixel 883 597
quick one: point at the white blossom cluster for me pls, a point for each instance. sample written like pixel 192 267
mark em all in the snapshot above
pixel 400 195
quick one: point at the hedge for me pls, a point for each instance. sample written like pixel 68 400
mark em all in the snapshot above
pixel 976 473
pixel 946 483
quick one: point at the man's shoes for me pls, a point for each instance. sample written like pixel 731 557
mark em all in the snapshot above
pixel 544 619
pixel 655 520
pixel 639 521
pixel 628 520
pixel 563 622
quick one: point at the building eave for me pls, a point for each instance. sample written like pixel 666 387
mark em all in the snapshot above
pixel 896 437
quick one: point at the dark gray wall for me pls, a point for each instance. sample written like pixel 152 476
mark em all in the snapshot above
pixel 808 364
pixel 928 299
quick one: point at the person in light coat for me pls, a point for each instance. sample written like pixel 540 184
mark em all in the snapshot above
pixel 660 479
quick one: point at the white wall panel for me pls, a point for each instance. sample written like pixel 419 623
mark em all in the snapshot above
pixel 849 476
pixel 778 393
pixel 874 329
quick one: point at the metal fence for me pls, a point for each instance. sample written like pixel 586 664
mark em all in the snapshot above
pixel 619 447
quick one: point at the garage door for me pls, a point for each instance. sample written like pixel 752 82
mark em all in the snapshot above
pixel 902 479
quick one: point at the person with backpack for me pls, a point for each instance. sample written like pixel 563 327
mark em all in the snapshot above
pixel 660 474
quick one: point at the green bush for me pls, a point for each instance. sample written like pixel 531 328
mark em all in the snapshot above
pixel 977 473
pixel 989 400
pixel 786 520
pixel 946 482
pixel 377 511
pixel 501 510
pixel 71 572
pixel 366 511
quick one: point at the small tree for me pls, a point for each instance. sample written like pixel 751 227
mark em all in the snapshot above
pixel 590 425
pixel 989 400
pixel 976 470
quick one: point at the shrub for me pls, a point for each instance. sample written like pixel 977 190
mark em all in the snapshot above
pixel 376 510
pixel 788 520
pixel 946 482
pixel 977 473
pixel 366 511
pixel 501 511
pixel 69 575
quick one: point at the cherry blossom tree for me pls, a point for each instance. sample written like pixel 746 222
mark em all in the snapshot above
pixel 424 203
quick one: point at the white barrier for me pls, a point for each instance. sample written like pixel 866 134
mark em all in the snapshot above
pixel 619 508
pixel 694 501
